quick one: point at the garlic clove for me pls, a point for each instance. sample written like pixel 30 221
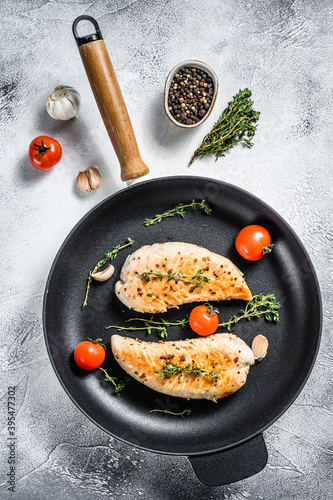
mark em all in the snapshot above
pixel 89 179
pixel 104 275
pixel 82 181
pixel 259 347
pixel 94 177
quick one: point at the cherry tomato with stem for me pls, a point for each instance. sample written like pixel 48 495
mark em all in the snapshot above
pixel 204 319
pixel 89 354
pixel 44 152
pixel 253 242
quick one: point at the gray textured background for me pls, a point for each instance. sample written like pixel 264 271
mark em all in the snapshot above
pixel 282 51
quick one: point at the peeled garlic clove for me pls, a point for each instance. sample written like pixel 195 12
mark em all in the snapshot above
pixel 64 103
pixel 259 347
pixel 103 275
pixel 89 179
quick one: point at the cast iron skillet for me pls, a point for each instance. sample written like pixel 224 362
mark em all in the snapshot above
pixel 223 441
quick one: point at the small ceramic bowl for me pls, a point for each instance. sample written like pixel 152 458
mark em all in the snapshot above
pixel 190 64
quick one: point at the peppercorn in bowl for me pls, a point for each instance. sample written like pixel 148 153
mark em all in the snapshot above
pixel 190 93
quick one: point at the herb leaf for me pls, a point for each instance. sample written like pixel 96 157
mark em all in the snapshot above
pixel 236 124
pixel 179 211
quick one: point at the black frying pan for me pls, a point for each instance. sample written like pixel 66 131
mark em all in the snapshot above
pixel 224 440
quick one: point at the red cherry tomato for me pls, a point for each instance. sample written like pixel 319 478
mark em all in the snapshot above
pixel 44 152
pixel 89 354
pixel 204 320
pixel 253 242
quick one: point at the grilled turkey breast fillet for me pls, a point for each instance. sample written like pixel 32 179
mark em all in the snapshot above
pixel 152 295
pixel 223 353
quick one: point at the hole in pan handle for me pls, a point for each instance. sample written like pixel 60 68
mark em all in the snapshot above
pixel 234 464
pixel 81 40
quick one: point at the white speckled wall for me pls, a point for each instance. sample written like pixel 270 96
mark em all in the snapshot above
pixel 282 51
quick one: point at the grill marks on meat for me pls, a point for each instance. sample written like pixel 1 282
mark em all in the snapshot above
pixel 225 279
pixel 224 353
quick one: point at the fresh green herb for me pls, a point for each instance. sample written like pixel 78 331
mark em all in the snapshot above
pixel 151 324
pixel 260 305
pixel 108 256
pixel 179 211
pixel 181 414
pixel 196 280
pixel 179 322
pixel 236 124
pixel 120 385
pixel 161 330
pixel 169 368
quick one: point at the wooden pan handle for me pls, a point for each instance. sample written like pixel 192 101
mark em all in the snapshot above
pixel 110 101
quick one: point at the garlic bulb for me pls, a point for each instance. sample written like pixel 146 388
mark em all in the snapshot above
pixel 64 103
pixel 89 179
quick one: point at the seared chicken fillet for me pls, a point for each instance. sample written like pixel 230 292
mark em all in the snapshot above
pixel 223 361
pixel 165 275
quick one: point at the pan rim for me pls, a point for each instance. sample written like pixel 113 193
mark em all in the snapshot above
pixel 317 291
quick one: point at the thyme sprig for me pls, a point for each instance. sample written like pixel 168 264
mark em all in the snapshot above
pixel 151 324
pixel 108 256
pixel 236 124
pixel 196 280
pixel 179 322
pixel 182 414
pixel 169 368
pixel 260 305
pixel 179 211
pixel 119 386
pixel 161 330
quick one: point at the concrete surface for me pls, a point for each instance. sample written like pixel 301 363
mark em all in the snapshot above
pixel 282 51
